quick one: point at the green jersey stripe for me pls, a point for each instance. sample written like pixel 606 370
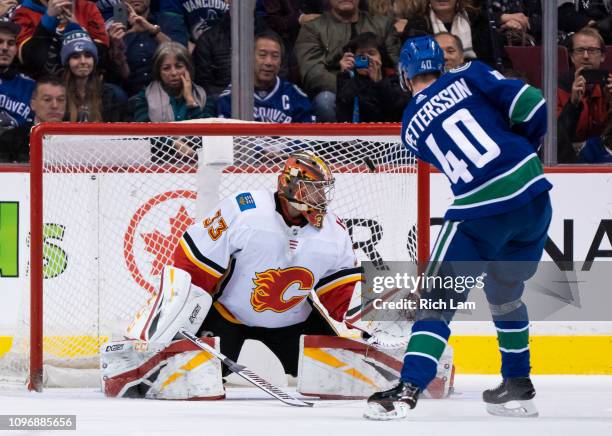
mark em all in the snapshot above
pixel 496 178
pixel 514 182
pixel 527 101
pixel 515 100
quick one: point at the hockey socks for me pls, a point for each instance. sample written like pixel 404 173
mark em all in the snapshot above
pixel 427 343
pixel 513 339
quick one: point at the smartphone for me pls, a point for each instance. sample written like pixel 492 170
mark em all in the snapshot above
pixel 361 62
pixel 120 14
pixel 593 77
pixel 70 8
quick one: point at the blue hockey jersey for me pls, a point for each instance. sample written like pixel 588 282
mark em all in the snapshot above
pixel 15 97
pixel 483 131
pixel 198 15
pixel 594 151
pixel 286 103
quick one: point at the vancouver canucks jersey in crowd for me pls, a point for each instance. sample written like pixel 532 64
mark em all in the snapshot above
pixel 198 15
pixel 286 103
pixel 483 131
pixel 15 97
pixel 594 151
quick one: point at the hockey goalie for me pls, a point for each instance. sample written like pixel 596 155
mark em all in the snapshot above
pixel 257 268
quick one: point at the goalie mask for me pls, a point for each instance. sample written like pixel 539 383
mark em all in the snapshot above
pixel 307 184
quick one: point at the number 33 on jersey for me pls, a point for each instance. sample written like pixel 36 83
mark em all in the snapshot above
pixel 483 131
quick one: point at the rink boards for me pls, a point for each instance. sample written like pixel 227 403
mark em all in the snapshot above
pixel 582 208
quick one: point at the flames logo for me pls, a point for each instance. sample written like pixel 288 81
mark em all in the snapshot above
pixel 271 285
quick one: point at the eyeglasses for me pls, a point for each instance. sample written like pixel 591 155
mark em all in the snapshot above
pixel 590 50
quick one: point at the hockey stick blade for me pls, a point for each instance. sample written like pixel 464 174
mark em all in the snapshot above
pixel 246 373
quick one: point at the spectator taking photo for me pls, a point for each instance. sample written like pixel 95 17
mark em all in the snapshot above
pixel 43 26
pixel 583 95
pixel 134 37
pixel 365 94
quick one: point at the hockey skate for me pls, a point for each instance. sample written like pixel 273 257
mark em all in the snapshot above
pixel 392 404
pixel 513 397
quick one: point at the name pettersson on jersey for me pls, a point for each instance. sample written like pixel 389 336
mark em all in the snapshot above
pixel 444 100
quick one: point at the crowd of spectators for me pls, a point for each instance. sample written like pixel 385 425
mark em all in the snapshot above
pixel 314 60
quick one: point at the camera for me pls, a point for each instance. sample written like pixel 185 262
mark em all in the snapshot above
pixel 594 77
pixel 120 14
pixel 361 62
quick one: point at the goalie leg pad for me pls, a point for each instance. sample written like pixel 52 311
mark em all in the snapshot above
pixel 178 371
pixel 333 367
pixel 178 304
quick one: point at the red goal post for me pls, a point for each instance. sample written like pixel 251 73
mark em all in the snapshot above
pixel 357 136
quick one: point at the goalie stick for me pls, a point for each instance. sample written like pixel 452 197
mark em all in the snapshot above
pixel 246 373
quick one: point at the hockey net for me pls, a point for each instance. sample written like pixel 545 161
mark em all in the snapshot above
pixel 110 202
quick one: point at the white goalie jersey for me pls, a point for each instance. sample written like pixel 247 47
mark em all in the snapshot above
pixel 261 270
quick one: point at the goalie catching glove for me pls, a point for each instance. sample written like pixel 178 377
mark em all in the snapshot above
pixel 391 332
pixel 178 304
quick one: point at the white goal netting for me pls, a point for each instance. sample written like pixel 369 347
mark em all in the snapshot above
pixel 115 207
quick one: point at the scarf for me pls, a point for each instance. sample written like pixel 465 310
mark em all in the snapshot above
pixel 460 27
pixel 158 100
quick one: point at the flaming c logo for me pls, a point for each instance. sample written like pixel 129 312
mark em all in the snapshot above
pixel 270 287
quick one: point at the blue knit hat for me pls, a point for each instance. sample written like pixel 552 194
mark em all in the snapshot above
pixel 77 41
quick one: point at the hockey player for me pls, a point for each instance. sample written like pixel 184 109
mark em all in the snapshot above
pixel 255 260
pixel 483 132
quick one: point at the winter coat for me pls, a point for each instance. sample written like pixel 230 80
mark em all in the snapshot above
pixel 212 57
pixel 40 38
pixel 577 123
pixel 320 46
pixel 382 101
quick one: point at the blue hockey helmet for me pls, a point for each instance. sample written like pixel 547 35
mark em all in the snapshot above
pixel 420 55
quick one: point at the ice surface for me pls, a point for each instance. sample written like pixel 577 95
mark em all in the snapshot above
pixel 568 405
